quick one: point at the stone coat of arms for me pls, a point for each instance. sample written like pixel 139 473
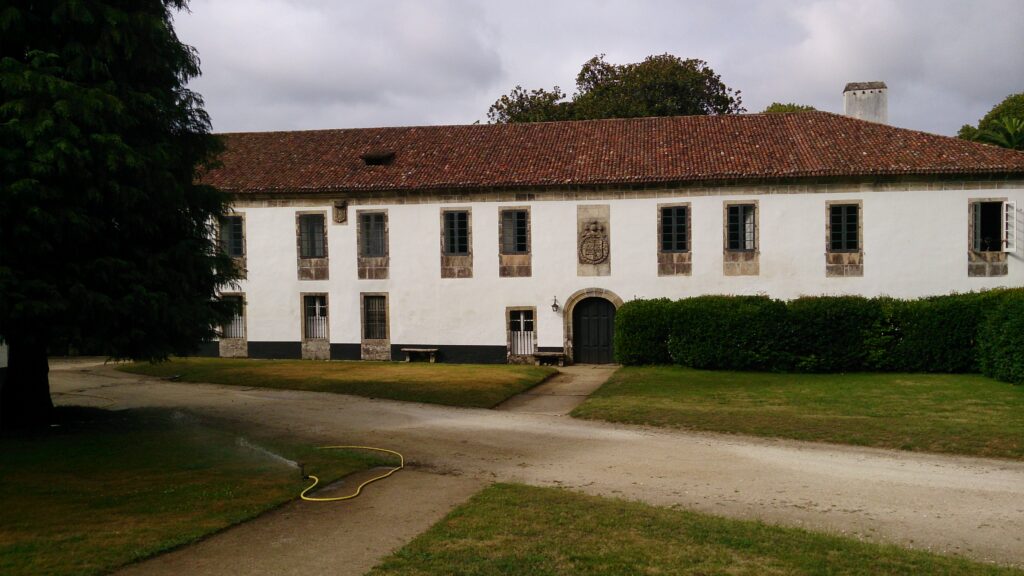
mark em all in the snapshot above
pixel 593 243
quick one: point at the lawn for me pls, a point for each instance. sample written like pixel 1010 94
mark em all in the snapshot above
pixel 108 488
pixel 471 385
pixel 520 530
pixel 945 413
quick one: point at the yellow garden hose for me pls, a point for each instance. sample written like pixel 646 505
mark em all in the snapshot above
pixel 401 464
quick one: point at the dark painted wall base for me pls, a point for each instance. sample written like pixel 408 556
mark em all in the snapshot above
pixel 275 350
pixel 346 352
pixel 470 354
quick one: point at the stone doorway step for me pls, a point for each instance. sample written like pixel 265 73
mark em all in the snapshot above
pixel 562 393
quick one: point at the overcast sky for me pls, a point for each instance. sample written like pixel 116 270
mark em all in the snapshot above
pixel 301 64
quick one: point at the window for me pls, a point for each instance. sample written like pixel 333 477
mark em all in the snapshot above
pixel 988 226
pixel 521 332
pixel 742 227
pixel 373 235
pixel 311 236
pixel 315 315
pixel 844 228
pixel 515 238
pixel 235 328
pixel 674 224
pixel 375 317
pixel 456 233
pixel 232 237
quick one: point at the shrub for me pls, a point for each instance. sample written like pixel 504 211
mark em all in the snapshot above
pixel 641 332
pixel 832 333
pixel 729 333
pixel 940 334
pixel 1001 339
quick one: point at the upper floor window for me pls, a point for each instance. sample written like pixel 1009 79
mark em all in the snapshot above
pixel 456 233
pixel 373 234
pixel 232 236
pixel 311 236
pixel 742 227
pixel 844 228
pixel 515 231
pixel 674 224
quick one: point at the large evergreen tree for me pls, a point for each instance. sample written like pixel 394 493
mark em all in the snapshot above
pixel 105 238
pixel 662 85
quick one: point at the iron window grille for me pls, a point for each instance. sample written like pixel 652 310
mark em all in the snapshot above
pixel 375 318
pixel 742 227
pixel 374 240
pixel 515 232
pixel 235 328
pixel 315 324
pixel 456 233
pixel 674 224
pixel 311 236
pixel 844 228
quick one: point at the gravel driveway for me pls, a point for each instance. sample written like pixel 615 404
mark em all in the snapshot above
pixel 954 505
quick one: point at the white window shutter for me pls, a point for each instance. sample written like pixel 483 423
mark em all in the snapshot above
pixel 1010 227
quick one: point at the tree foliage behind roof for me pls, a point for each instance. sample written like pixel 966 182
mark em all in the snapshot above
pixel 780 108
pixel 106 242
pixel 663 85
pixel 998 126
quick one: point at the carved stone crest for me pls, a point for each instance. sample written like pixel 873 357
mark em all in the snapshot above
pixel 593 243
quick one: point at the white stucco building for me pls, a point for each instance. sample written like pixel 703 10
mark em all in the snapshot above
pixel 490 242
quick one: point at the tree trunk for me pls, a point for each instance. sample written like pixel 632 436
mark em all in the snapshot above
pixel 25 393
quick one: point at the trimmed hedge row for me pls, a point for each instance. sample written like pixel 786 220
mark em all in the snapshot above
pixel 956 333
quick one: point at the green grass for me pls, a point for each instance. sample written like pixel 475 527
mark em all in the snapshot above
pixel 519 530
pixel 945 413
pixel 470 385
pixel 107 488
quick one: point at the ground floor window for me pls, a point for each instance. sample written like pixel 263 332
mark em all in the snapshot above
pixel 315 324
pixel 375 317
pixel 988 226
pixel 235 328
pixel 522 337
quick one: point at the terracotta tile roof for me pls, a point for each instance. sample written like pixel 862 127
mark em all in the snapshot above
pixel 600 152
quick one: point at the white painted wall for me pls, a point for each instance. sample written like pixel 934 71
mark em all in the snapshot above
pixel 915 244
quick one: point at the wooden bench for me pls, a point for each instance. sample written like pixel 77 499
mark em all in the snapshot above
pixel 431 353
pixel 540 357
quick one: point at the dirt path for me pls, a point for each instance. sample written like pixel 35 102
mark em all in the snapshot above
pixel 562 393
pixel 967 506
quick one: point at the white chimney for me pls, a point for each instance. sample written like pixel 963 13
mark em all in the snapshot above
pixel 866 101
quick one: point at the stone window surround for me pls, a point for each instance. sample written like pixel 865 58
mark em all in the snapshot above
pixel 311 268
pixel 372 267
pixel 240 261
pixel 457 265
pixel 983 264
pixel 675 263
pixel 844 263
pixel 376 348
pixel 315 348
pixel 515 265
pixel 741 262
pixel 516 358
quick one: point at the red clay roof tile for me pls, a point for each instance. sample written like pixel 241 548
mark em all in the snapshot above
pixel 598 152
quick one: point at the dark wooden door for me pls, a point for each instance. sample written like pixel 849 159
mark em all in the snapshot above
pixel 593 329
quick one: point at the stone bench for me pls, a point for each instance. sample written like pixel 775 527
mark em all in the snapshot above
pixel 431 353
pixel 540 357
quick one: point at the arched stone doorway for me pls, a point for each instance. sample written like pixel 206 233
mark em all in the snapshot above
pixel 588 318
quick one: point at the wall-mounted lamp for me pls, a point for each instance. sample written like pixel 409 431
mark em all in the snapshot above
pixel 554 304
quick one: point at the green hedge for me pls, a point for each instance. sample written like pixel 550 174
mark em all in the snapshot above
pixel 1001 339
pixel 729 333
pixel 642 330
pixel 956 333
